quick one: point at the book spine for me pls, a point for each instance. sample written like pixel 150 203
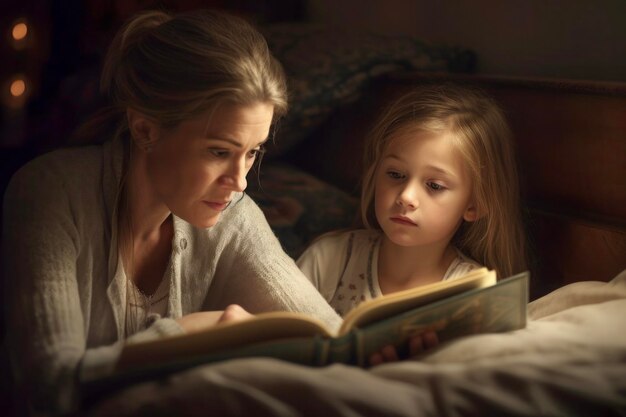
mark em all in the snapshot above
pixel 321 355
pixel 342 349
pixel 359 348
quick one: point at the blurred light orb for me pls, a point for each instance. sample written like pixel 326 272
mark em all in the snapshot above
pixel 18 87
pixel 20 30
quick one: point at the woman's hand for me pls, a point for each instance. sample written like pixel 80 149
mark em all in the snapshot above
pixel 417 344
pixel 234 312
pixel 202 320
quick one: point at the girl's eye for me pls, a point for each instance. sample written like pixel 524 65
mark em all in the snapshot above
pixel 434 186
pixel 395 175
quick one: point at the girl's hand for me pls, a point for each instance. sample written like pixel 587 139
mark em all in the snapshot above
pixel 202 320
pixel 417 345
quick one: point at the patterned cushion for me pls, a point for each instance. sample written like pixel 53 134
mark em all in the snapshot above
pixel 298 206
pixel 327 68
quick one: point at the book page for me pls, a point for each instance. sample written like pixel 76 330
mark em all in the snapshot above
pixel 260 328
pixel 391 304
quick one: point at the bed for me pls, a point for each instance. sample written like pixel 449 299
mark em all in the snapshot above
pixel 571 358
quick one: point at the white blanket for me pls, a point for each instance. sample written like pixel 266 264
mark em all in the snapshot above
pixel 569 361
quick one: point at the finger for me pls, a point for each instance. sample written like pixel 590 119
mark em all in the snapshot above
pixel 389 354
pixel 231 313
pixel 376 359
pixel 430 339
pixel 198 321
pixel 226 316
pixel 416 345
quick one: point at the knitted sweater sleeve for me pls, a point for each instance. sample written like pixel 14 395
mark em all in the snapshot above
pixel 255 272
pixel 45 329
pixel 45 322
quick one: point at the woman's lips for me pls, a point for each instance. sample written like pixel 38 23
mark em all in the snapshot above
pixel 217 206
pixel 403 220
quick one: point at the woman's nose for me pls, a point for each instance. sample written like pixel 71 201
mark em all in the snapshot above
pixel 236 177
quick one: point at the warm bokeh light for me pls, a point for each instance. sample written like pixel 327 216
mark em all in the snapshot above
pixel 18 87
pixel 16 91
pixel 20 30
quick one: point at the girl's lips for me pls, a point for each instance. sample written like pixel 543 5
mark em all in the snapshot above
pixel 403 220
pixel 216 205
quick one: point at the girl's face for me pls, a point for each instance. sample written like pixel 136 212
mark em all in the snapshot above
pixel 195 169
pixel 423 190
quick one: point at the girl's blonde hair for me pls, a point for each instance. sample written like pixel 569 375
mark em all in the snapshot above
pixel 481 134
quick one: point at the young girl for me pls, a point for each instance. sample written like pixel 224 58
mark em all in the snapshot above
pixel 149 233
pixel 439 198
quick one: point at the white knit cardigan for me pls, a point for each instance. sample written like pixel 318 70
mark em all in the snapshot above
pixel 66 290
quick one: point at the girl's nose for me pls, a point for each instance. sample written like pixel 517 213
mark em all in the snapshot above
pixel 408 198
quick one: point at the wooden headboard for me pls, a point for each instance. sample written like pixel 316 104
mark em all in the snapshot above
pixel 571 145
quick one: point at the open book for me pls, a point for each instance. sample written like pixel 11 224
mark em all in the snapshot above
pixel 475 303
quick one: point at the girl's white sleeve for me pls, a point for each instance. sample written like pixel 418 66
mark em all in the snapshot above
pixel 323 261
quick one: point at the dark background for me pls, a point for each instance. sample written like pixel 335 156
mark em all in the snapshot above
pixel 574 39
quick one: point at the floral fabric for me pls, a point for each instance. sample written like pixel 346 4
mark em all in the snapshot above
pixel 327 68
pixel 298 206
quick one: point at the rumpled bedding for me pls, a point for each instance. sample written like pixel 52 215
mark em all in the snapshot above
pixel 569 361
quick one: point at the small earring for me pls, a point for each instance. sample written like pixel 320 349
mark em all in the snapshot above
pixel 147 146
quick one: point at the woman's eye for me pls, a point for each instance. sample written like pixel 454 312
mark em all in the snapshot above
pixel 435 186
pixel 226 153
pixel 395 175
pixel 255 153
pixel 220 153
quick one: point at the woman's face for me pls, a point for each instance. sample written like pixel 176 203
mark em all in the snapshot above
pixel 196 168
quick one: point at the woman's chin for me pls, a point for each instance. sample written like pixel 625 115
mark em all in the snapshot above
pixel 206 222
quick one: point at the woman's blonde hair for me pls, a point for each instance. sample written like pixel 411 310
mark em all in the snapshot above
pixel 174 67
pixel 481 134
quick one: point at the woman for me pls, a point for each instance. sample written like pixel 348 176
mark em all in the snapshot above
pixel 149 234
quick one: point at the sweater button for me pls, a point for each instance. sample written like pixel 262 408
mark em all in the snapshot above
pixel 183 243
